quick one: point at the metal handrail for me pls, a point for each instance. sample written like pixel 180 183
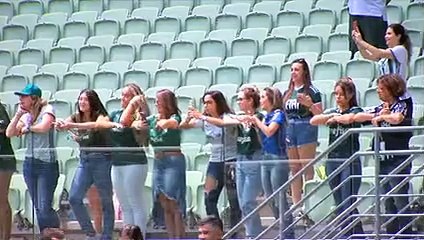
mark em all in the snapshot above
pixel 375 130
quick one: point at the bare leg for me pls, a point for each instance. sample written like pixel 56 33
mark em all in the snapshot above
pixel 295 167
pixel 169 216
pixel 5 211
pixel 96 208
pixel 306 154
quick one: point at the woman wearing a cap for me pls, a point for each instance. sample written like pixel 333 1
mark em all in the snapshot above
pixel 35 117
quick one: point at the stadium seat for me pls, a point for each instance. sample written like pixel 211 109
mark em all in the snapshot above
pixel 151 92
pixel 106 27
pixel 212 48
pixel 7 9
pixel 3 20
pixel 342 28
pixel 15 32
pixel 338 42
pixel 113 104
pixel 415 10
pixel 122 52
pixel 226 35
pixel 13 82
pixel 274 59
pixel 167 24
pixel 159 4
pixel 270 7
pixel 322 16
pixel 137 25
pixel 76 29
pixel 180 64
pixel 415 81
pixel 289 32
pixel 285 72
pixel 91 53
pixel 116 66
pixel 360 68
pixel 341 57
pixel 232 75
pixel 192 36
pixel 31 56
pixel 105 79
pixel 207 62
pixel 321 30
pixel 416 36
pixel 152 50
pixel 198 76
pixel 190 150
pixel 75 80
pixel 228 21
pixel 197 23
pixel 326 70
pixel 258 34
pixel 31 7
pixel 227 89
pixel 165 38
pixel 47 31
pixel 416 93
pixel 207 10
pixel 261 73
pixel 28 20
pixel 117 14
pixel 299 6
pixel 65 6
pixel 187 3
pixel 239 9
pixel 62 55
pixel 58 69
pixel 193 91
pixel 135 39
pixel 290 18
pixel 167 77
pixel 183 49
pixel 147 65
pixel 258 20
pixel 276 45
pixel 139 77
pixel 394 14
pixel 147 13
pixel 244 47
pixel 308 43
pixel 119 4
pixel 371 98
pixel 180 12
pixel 46 81
pixel 27 70
pixel 90 5
pixel 414 24
pixel 330 4
pixel 88 68
pixel 72 42
pixel 314 211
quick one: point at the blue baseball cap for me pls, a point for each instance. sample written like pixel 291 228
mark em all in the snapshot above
pixel 30 90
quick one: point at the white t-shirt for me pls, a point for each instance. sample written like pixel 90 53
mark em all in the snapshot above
pixel 397 65
pixel 374 8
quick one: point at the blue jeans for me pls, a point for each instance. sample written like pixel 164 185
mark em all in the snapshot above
pixel 274 175
pixel 169 178
pixel 349 188
pixel 94 168
pixel 224 173
pixel 393 205
pixel 41 180
pixel 248 179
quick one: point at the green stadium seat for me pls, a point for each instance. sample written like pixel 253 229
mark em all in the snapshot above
pixel 198 76
pixel 105 41
pixel 71 42
pixel 183 49
pixel 285 72
pixel 65 6
pixel 27 70
pixel 308 43
pixel 322 16
pixel 46 31
pixel 46 81
pixel 167 24
pixel 90 5
pixel 91 53
pixel 184 102
pixel 342 28
pixel 135 39
pixel 116 66
pixel 310 57
pixel 194 135
pixel 68 95
pixel 31 7
pixel 414 24
pixel 88 68
pixel 9 98
pixel 417 37
pixel 152 50
pixel 15 32
pixel 208 62
pixel 187 3
pixel 106 79
pixel 13 82
pixel 18 182
pixel 14 199
pixel 228 89
pixel 276 45
pixel 119 4
pixel 314 211
pixel 327 70
pixel 228 74
pixel 88 17
pixel 193 91
pixel 212 48
pixel 28 20
pixel 62 55
pixel 137 25
pixel 290 18
pixel 193 180
pixel 303 6
pixel 148 13
pixel 226 35
pixel 3 70
pixel 288 32
pixel 106 27
pixel 394 13
pixel 416 93
pixel 159 4
pixel 122 52
pixel 113 104
pixel 360 68
pixel 167 77
pixel 228 21
pixel 139 77
pixel 274 59
pixel 338 42
pixel 330 4
pixel 76 29
pixel 119 15
pixel 192 36
pixel 3 20
pixel 58 69
pixel 197 23
pixel 75 80
pixel 341 57
pixel 7 9
pixel 415 10
pixel 239 9
pixel 149 66
pixel 415 81
pixel 270 7
pixel 180 12
pixel 207 10
pixel 31 56
pixel 221 3
pixel 244 47
pixel 243 62
pixel 371 98
pixel 258 20
pixel 261 74
pixel 321 30
pixel 6 58
pixel 190 150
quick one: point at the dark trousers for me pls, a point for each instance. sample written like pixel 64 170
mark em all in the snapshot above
pixel 373 30
pixel 224 173
pixel 349 188
pixel 393 205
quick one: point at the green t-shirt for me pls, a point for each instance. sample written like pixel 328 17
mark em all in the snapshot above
pixel 351 144
pixel 248 138
pixel 164 139
pixel 124 137
pixel 296 110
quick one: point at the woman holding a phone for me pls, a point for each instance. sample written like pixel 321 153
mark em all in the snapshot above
pixel 35 118
pixel 301 101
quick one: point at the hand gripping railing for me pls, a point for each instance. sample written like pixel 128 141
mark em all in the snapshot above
pixel 376 131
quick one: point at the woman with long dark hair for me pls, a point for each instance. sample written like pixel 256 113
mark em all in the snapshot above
pixel 7 167
pixel 339 120
pixel 169 169
pixel 220 172
pixel 35 118
pixel 301 101
pixel 393 112
pixel 86 127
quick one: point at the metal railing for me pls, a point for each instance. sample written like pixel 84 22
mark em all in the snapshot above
pixel 379 180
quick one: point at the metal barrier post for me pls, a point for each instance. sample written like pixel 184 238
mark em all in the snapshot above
pixel 377 183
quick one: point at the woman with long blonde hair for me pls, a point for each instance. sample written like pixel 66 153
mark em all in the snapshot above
pixel 35 118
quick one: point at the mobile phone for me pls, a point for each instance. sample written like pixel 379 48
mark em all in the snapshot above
pixel 355 25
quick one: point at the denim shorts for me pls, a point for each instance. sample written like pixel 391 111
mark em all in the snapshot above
pixel 169 178
pixel 301 132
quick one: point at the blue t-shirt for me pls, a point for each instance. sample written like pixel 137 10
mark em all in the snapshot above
pixel 275 144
